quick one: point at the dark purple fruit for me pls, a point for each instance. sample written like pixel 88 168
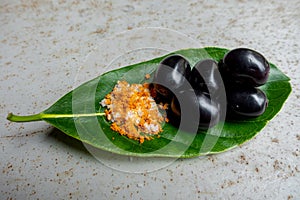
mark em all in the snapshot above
pixel 245 66
pixel 246 101
pixel 197 107
pixel 205 77
pixel 171 75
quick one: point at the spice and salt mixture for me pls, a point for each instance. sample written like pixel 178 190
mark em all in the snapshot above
pixel 133 112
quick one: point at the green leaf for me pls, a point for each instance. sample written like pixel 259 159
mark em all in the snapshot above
pixel 79 114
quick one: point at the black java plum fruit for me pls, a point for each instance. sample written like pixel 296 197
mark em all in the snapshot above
pixel 246 101
pixel 195 106
pixel 171 75
pixel 205 77
pixel 245 66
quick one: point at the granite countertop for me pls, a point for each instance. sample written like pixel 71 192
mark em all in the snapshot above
pixel 50 47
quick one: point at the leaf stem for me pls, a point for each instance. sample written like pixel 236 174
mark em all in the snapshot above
pixel 41 116
pixel 29 118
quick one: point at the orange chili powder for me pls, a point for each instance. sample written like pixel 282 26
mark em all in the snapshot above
pixel 133 112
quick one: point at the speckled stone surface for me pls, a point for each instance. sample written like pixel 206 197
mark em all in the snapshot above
pixel 43 46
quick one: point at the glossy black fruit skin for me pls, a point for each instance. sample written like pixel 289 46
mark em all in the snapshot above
pixel 246 101
pixel 245 66
pixel 205 77
pixel 171 75
pixel 199 105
